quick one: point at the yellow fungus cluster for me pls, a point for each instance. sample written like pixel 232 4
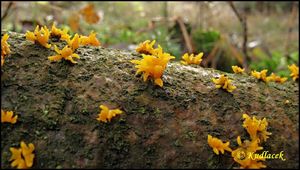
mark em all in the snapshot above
pixel 65 36
pixel 294 71
pixel 4 48
pixel 90 40
pixel 224 82
pixel 89 14
pixel 107 114
pixel 66 53
pixel 146 47
pixel 191 59
pixel 73 21
pixel 243 154
pixel 22 158
pixel 8 116
pixel 39 35
pixel 218 145
pixel 257 129
pixel 153 65
pixel 62 34
pixel 262 75
pixel 237 69
pixel 277 79
pixel 77 39
pixel 74 42
pixel 55 32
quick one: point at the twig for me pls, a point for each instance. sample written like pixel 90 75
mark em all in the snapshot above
pixel 186 36
pixel 290 29
pixel 211 54
pixel 215 59
pixel 165 11
pixel 235 53
pixel 6 11
pixel 243 21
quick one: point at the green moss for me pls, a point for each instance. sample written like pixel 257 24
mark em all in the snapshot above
pixel 191 135
pixel 51 124
pixel 177 143
pixel 212 162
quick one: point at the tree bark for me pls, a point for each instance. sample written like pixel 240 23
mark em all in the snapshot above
pixel 166 127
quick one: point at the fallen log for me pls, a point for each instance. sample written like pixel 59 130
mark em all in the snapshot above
pixel 166 127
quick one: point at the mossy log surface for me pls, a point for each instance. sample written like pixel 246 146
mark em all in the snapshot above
pixel 166 127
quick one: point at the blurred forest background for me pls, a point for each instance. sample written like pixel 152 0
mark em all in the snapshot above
pixel 256 35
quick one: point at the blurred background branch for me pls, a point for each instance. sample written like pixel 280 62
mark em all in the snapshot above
pixel 290 26
pixel 243 20
pixel 10 4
